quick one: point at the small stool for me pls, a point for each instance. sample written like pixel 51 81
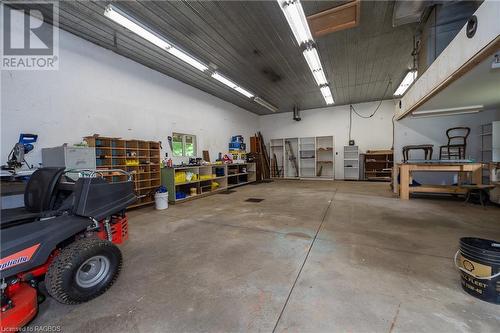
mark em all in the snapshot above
pixel 480 191
pixel 427 148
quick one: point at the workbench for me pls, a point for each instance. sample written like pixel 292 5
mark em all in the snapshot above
pixel 405 170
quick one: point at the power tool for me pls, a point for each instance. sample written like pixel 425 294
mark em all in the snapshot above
pixel 21 148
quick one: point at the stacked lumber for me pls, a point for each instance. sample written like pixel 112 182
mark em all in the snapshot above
pixel 263 163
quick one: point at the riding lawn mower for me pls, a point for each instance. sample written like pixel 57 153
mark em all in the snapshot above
pixel 65 235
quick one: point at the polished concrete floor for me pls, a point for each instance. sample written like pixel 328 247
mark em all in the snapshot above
pixel 311 257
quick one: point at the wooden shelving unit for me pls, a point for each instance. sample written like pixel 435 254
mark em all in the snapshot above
pixel 378 165
pixel 205 180
pixel 140 158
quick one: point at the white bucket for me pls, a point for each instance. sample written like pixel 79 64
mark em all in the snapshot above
pixel 161 200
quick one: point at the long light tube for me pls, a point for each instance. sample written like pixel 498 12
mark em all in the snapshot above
pixel 244 92
pixel 143 31
pixel 224 80
pixel 133 25
pixel 294 14
pixel 406 83
pixel 125 21
pixel 187 58
pixel 231 84
pixel 327 95
pixel 265 104
pixel 448 112
pixel 320 77
pixel 312 58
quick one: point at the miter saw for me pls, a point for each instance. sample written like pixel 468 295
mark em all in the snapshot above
pixel 21 148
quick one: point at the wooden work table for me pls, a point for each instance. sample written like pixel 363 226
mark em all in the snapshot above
pixel 405 171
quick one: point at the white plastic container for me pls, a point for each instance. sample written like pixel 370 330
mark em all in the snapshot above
pixel 161 200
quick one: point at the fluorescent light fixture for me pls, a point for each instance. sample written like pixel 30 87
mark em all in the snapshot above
pixel 136 27
pixel 127 22
pixel 223 80
pixel 187 58
pixel 448 112
pixel 265 104
pixel 312 59
pixel 406 83
pixel 320 77
pixel 327 95
pixel 244 92
pixel 231 85
pixel 294 14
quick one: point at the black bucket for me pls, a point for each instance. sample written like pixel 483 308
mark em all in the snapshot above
pixel 479 263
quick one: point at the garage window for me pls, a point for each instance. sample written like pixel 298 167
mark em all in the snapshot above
pixel 183 145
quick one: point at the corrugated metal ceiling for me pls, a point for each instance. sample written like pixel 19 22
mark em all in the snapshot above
pixel 251 43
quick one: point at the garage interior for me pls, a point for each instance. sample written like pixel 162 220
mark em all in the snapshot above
pixel 270 166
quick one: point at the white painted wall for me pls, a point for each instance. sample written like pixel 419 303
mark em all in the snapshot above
pixel 98 91
pixel 432 130
pixel 372 133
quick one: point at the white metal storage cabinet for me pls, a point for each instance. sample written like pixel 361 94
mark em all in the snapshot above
pixel 351 163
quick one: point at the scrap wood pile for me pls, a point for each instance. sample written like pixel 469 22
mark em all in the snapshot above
pixel 259 151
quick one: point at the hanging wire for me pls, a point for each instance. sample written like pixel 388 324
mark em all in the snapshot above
pixel 376 109
pixel 352 109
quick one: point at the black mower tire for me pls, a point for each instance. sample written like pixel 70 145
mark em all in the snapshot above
pixel 60 279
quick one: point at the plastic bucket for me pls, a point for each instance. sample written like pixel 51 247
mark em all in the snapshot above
pixel 479 263
pixel 161 200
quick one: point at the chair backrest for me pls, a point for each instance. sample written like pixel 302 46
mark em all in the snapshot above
pixel 38 194
pixel 457 135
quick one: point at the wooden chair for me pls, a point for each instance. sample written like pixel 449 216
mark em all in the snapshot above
pixel 457 144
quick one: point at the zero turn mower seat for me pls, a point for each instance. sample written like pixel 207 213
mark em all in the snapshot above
pixel 38 197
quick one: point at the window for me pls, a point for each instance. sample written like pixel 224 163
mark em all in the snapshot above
pixel 177 145
pixel 183 145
